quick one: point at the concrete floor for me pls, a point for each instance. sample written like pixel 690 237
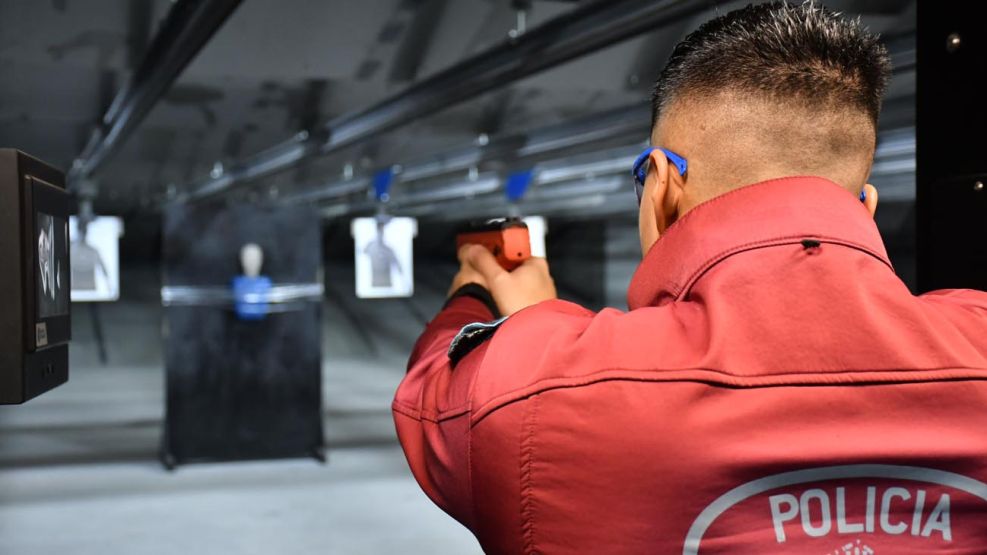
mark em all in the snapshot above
pixel 78 469
pixel 362 502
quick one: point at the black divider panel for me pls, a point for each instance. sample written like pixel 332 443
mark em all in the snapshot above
pixel 241 389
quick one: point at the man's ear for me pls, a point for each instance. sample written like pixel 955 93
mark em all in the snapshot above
pixel 870 199
pixel 652 218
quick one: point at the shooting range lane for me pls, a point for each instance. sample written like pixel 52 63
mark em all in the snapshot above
pixel 84 458
pixel 251 508
pixel 265 202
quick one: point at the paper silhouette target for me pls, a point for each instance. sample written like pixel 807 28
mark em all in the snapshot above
pixel 96 259
pixel 384 256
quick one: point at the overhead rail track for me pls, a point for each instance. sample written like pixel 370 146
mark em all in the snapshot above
pixel 521 148
pixel 189 26
pixel 579 32
pixel 598 178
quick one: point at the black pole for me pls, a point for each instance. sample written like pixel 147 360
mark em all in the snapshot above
pixel 97 323
pixel 187 28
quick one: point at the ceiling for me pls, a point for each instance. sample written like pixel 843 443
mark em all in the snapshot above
pixel 280 66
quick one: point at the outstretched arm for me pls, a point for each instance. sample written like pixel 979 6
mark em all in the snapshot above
pixel 431 407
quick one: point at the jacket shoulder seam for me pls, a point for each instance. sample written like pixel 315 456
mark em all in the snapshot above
pixel 684 289
pixel 724 379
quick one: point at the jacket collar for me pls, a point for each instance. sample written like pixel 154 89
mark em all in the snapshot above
pixel 778 211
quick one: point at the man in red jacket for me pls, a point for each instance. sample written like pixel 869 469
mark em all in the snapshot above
pixel 774 388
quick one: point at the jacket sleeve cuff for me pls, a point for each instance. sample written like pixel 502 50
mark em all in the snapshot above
pixel 477 292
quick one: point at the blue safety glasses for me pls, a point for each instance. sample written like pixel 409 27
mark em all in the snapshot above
pixel 643 164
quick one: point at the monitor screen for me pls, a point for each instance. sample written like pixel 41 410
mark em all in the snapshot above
pixel 52 284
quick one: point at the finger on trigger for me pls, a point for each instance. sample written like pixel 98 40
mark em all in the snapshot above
pixel 461 254
pixel 484 262
pixel 539 261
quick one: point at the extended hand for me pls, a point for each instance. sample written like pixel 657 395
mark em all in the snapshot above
pixel 467 274
pixel 528 284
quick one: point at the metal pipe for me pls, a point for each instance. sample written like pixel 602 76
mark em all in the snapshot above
pixel 333 189
pixel 576 33
pixel 608 172
pixel 187 28
pixel 619 123
pixel 466 189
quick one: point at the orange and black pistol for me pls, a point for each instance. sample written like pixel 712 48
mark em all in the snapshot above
pixel 506 238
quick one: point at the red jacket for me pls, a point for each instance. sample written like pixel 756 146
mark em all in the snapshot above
pixel 775 388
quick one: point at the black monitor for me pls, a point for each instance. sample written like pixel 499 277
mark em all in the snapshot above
pixel 35 310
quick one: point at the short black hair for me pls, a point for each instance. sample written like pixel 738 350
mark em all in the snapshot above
pixel 804 53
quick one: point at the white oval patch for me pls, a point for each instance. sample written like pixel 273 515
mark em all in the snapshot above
pixel 878 471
